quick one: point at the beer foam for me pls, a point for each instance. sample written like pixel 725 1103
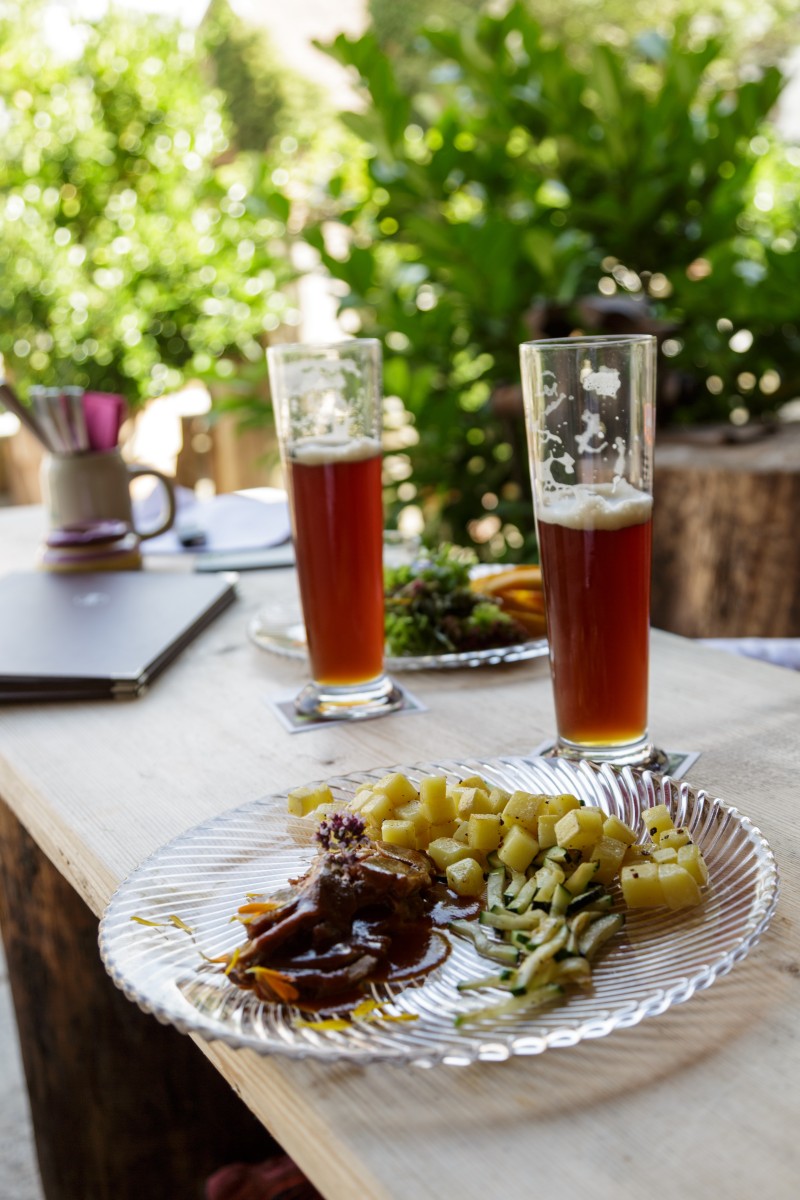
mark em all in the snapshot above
pixel 598 506
pixel 333 448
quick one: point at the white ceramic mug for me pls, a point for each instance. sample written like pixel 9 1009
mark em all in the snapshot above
pixel 81 489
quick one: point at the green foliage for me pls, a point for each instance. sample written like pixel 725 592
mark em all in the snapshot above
pixel 263 99
pixel 246 71
pixel 397 28
pixel 431 608
pixel 527 190
pixel 752 32
pixel 131 253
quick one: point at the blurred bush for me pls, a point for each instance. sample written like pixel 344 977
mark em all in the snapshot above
pixel 266 103
pixel 530 187
pixel 135 248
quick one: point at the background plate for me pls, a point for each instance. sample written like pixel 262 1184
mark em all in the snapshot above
pixel 661 958
pixel 279 628
pixel 283 633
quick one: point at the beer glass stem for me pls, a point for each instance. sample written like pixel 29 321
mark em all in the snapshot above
pixel 355 702
pixel 640 753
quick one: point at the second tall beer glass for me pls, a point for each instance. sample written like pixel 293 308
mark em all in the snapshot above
pixel 590 416
pixel 328 407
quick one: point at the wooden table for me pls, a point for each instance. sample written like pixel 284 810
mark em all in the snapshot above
pixel 701 1102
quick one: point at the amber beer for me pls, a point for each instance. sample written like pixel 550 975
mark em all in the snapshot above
pixel 337 517
pixel 595 552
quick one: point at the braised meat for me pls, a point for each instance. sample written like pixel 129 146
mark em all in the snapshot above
pixel 338 929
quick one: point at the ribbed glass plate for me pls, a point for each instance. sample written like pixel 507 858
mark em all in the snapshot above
pixel 277 631
pixel 279 628
pixel 661 958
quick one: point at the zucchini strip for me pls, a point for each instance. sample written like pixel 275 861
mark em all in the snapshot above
pixel 501 952
pixel 533 999
pixel 509 920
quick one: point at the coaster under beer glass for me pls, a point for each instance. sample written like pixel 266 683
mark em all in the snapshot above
pixel 590 417
pixel 328 410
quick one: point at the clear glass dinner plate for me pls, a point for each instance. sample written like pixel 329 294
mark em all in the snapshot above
pixel 174 913
pixel 281 631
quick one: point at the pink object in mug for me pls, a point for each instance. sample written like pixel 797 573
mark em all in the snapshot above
pixel 104 413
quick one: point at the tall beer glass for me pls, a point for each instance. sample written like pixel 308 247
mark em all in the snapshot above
pixel 328 405
pixel 590 417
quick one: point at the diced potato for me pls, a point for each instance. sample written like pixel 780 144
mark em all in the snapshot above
pixel 363 794
pixel 378 809
pixel 471 800
pixel 498 799
pixel 691 859
pixel 674 838
pixel 636 854
pixel 444 830
pixel 462 832
pixel 519 849
pixel 608 853
pixel 657 820
pixel 436 803
pixel 546 833
pixel 422 827
pixel 581 877
pixel 465 877
pixel 446 851
pixel 559 805
pixel 474 781
pixel 522 808
pixel 640 885
pixel 484 831
pixel 303 800
pixel 678 887
pixel 614 828
pixel 323 811
pixel 399 789
pixel 579 827
pixel 665 854
pixel 399 833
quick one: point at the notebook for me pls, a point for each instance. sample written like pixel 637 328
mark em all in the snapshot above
pixel 100 634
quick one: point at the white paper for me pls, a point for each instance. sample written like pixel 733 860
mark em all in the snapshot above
pixel 246 520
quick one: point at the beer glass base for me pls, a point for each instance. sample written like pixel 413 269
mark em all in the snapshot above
pixel 641 753
pixel 355 702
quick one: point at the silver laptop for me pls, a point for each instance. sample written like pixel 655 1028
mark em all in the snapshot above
pixel 101 634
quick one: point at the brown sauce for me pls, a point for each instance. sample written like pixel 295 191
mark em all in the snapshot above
pixel 417 948
pixel 445 906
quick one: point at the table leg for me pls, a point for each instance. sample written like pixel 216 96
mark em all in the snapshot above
pixel 123 1108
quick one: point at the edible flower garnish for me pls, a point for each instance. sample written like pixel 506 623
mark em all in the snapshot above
pixel 172 919
pixel 364 1008
pixel 367 1010
pixel 257 907
pixel 341 831
pixel 232 961
pixel 276 982
pixel 328 1025
pixel 179 924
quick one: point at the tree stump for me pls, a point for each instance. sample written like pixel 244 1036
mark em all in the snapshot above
pixel 726 555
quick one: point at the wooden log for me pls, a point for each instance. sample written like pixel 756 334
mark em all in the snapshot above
pixel 123 1108
pixel 726 556
pixel 21 457
pixel 241 457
